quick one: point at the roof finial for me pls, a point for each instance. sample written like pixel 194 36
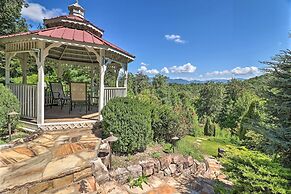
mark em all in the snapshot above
pixel 77 1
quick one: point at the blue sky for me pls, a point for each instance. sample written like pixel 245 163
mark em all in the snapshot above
pixel 189 39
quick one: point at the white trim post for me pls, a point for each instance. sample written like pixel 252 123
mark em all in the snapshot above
pixel 40 87
pixel 7 68
pixel 125 77
pixel 40 56
pixel 101 80
pixel 117 71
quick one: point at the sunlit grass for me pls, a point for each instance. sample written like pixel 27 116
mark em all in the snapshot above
pixel 198 147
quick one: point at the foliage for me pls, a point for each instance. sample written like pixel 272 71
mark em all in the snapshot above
pixel 8 103
pixel 10 17
pixel 139 83
pixel 167 148
pixel 130 120
pixel 138 182
pixel 156 154
pixel 164 123
pixel 197 129
pixel 255 172
pixel 209 128
pixel 277 129
pixel 160 81
pixel 211 100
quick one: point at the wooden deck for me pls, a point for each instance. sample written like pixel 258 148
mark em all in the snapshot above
pixel 55 114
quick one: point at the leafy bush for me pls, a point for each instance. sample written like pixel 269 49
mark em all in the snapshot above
pixel 8 103
pixel 197 130
pixel 164 123
pixel 255 172
pixel 130 120
pixel 168 148
pixel 209 128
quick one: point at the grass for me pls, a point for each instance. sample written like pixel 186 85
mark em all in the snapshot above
pixel 16 135
pixel 198 147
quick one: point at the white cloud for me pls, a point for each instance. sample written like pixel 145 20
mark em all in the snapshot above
pixel 144 64
pixel 153 71
pixel 144 70
pixel 36 12
pixel 187 68
pixel 175 38
pixel 245 70
pixel 236 71
pixel 165 70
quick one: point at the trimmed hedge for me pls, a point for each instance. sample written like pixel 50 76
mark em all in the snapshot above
pixel 8 103
pixel 130 120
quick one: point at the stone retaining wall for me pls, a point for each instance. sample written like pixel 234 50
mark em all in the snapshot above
pixel 169 165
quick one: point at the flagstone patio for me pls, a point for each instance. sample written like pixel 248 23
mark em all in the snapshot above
pixel 35 166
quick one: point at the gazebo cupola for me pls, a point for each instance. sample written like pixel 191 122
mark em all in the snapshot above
pixel 75 20
pixel 77 10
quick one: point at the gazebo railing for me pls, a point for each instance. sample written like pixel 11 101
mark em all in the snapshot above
pixel 27 96
pixel 112 92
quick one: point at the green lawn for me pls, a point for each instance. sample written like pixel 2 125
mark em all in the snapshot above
pixel 197 147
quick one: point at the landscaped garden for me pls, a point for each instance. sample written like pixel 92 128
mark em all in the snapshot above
pixel 232 117
pixel 240 129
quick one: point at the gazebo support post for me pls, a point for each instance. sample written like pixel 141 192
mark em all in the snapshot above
pixel 8 57
pixel 125 77
pixel 117 70
pixel 40 54
pixel 101 79
pixel 40 90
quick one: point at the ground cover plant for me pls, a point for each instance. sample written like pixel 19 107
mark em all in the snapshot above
pixel 255 172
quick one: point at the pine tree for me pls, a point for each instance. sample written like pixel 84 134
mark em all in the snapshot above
pixel 278 128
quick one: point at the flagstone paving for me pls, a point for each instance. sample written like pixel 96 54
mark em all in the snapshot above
pixel 49 156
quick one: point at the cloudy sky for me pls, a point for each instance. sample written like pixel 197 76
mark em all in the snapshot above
pixel 201 39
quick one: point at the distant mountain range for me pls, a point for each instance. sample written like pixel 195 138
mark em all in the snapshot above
pixel 183 81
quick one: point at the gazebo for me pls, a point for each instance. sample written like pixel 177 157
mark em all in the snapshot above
pixel 66 40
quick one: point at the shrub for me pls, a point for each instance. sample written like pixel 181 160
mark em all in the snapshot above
pixel 130 120
pixel 8 103
pixel 209 128
pixel 164 123
pixel 197 131
pixel 255 172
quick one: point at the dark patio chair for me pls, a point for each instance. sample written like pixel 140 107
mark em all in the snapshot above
pixel 57 93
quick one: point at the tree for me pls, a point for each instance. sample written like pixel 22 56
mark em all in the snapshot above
pixel 209 128
pixel 140 82
pixel 10 17
pixel 160 81
pixel 211 100
pixel 11 22
pixel 277 130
